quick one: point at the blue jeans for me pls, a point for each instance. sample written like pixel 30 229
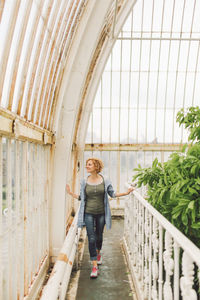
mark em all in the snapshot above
pixel 94 226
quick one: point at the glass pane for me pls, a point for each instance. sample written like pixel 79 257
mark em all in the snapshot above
pixel 114 125
pixel 96 125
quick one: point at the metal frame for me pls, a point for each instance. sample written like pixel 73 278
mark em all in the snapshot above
pixel 25 212
pixel 167 34
pixel 133 147
pixel 155 250
pixel 32 54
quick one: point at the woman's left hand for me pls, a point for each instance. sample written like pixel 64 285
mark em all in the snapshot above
pixel 131 189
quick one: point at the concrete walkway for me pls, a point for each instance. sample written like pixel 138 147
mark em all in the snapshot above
pixel 113 283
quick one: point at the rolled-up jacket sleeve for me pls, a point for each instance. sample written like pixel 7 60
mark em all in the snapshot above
pixel 111 191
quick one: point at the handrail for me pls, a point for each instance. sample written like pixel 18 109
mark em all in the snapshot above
pixel 189 246
pixel 164 263
pixel 57 284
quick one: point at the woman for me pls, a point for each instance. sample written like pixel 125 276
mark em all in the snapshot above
pixel 94 208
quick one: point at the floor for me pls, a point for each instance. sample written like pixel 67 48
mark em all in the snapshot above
pixel 113 283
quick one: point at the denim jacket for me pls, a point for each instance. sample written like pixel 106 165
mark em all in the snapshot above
pixel 108 191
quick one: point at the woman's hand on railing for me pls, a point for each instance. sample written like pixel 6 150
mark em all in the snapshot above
pixel 131 189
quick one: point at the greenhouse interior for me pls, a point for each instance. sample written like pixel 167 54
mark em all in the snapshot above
pixel 112 83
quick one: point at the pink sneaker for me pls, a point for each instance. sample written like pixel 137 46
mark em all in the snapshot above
pixel 94 272
pixel 99 259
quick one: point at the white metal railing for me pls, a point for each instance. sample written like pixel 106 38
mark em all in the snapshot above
pixel 57 284
pixel 164 263
pixel 24 242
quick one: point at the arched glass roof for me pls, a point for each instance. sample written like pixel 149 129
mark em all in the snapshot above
pixel 35 37
pixel 152 72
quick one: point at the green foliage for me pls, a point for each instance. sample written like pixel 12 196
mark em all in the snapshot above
pixel 191 119
pixel 174 187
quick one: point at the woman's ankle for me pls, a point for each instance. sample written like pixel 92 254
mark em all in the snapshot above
pixel 94 262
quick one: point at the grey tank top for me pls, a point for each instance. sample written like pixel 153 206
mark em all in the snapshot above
pixel 95 198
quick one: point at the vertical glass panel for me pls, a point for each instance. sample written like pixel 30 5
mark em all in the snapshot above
pixel 97 125
pixel 140 158
pixel 123 169
pixel 132 163
pixel 125 81
pixel 108 65
pixel 193 54
pixel 127 25
pixel 136 45
pixel 157 20
pixel 161 89
pixel 88 139
pixel 145 55
pixel 183 56
pixel 116 56
pixel 113 168
pixel 167 125
pixel 155 50
pixel 126 55
pixel 133 126
pixel 115 125
pixel 106 89
pixel 197 90
pixel 189 89
pixel 134 89
pixel 105 134
pixel 148 158
pixel 164 55
pixel 151 126
pixel 115 89
pixel 124 126
pixel 174 55
pixel 159 125
pixel 196 23
pixel 179 90
pixel 147 20
pixel 152 89
pixel 137 13
pixel 97 102
pixel 171 89
pixel 178 13
pixel 142 125
pixel 143 89
pixel 168 14
pixel 188 15
pixel 105 156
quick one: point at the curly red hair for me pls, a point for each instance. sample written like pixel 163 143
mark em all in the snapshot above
pixel 97 163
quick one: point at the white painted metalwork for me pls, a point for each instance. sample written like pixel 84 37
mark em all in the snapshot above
pixel 151 73
pixel 35 38
pixel 24 241
pixel 164 263
pixel 57 284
